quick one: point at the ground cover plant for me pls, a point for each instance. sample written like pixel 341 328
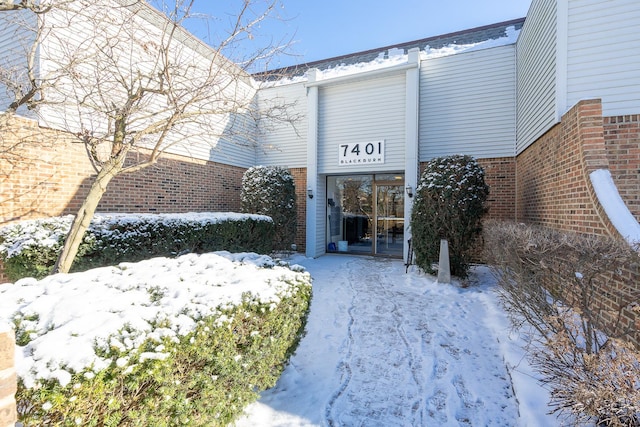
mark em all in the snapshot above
pixel 30 248
pixel 271 191
pixel 449 204
pixel 571 289
pixel 163 342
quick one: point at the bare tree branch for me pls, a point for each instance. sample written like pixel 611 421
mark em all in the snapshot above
pixel 122 76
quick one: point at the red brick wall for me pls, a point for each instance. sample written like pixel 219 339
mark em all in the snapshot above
pixel 622 141
pixel 8 381
pixel 554 189
pixel 50 175
pixel 552 180
pixel 40 170
pixel 47 174
pixel 500 176
pixel 174 184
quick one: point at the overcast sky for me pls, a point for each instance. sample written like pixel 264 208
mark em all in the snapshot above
pixel 326 28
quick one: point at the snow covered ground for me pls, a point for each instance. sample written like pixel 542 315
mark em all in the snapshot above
pixel 385 348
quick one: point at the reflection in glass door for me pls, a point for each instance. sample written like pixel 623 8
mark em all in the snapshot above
pixel 389 219
pixel 365 214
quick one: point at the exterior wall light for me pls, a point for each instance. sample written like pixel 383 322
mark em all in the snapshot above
pixel 409 190
pixel 310 193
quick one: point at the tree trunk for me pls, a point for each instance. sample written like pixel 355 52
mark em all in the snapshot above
pixel 85 214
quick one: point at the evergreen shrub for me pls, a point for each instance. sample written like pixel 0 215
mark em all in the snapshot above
pixel 205 377
pixel 449 204
pixel 271 191
pixel 30 248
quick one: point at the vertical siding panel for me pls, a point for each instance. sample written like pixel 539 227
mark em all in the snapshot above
pixel 362 111
pixel 283 144
pixel 467 104
pixel 536 78
pixel 603 38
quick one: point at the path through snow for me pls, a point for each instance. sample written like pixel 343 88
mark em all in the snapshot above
pixel 385 348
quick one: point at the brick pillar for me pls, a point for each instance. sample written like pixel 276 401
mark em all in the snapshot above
pixel 8 381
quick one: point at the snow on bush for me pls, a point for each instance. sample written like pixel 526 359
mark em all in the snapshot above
pixel 30 248
pixel 112 322
pixel 270 190
pixel 449 204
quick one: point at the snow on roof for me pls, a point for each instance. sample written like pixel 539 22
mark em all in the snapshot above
pixel 495 35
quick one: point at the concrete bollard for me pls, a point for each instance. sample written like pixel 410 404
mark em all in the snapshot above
pixel 8 379
pixel 444 269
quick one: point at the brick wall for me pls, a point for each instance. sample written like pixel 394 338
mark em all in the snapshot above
pixel 46 174
pixel 40 170
pixel 50 175
pixel 174 184
pixel 8 384
pixel 500 176
pixel 554 190
pixel 622 141
pixel 552 180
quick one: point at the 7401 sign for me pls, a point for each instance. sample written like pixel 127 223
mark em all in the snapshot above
pixel 361 153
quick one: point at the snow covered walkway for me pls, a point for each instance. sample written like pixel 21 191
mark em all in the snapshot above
pixel 385 348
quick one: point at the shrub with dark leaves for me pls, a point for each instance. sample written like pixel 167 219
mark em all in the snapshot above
pixel 449 204
pixel 271 191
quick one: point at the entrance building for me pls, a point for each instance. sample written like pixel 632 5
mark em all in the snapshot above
pixel 365 214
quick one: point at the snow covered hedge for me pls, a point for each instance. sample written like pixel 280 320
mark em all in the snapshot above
pixel 449 204
pixel 30 248
pixel 271 191
pixel 184 341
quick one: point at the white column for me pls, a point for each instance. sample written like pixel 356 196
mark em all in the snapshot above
pixel 411 168
pixel 312 163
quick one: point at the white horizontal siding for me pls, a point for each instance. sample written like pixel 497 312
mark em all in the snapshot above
pixel 602 60
pixel 360 112
pixel 467 104
pixel 17 35
pixel 536 77
pixel 284 144
pixel 226 132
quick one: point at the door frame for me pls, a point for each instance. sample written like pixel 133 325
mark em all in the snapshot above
pixel 399 183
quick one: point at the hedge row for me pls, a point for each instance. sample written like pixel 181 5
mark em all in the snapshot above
pixel 197 366
pixel 30 248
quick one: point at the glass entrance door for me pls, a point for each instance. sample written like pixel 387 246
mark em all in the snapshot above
pixel 389 219
pixel 365 214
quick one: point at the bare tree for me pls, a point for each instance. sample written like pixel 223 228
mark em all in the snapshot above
pixel 122 76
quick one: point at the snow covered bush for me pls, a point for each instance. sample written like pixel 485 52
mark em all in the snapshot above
pixel 271 191
pixel 449 204
pixel 164 342
pixel 30 248
pixel 571 289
